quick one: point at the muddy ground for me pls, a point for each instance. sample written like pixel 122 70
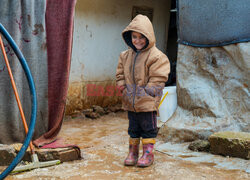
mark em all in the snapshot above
pixel 104 145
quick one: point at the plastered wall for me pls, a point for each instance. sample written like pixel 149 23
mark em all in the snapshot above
pixel 97 43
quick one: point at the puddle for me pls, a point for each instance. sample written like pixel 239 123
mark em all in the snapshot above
pixel 181 151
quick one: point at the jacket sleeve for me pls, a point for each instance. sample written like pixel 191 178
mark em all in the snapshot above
pixel 120 77
pixel 158 75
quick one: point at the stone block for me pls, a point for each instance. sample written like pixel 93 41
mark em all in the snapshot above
pixel 7 154
pixel 235 144
pixel 62 154
pixel 99 110
pixel 93 115
pixel 199 145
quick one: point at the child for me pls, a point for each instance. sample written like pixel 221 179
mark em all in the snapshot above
pixel 141 75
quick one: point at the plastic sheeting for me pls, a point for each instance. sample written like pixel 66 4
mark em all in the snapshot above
pixel 213 23
pixel 213 92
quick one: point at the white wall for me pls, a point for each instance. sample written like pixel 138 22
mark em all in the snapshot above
pixel 97 40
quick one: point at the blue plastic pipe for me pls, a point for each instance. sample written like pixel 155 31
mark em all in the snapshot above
pixel 32 123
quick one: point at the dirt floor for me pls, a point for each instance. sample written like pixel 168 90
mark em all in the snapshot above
pixel 104 145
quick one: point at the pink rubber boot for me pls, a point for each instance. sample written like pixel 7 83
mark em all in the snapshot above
pixel 132 157
pixel 147 158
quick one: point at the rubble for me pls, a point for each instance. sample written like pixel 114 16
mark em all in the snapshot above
pixel 199 145
pixel 99 110
pixel 96 111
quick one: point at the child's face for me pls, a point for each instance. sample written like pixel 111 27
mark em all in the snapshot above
pixel 138 40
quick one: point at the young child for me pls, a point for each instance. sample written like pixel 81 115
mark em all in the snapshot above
pixel 141 75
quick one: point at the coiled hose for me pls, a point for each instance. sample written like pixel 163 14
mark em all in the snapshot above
pixel 32 123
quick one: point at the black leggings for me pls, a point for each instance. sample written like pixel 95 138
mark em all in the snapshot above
pixel 142 124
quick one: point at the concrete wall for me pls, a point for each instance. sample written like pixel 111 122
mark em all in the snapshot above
pixel 97 42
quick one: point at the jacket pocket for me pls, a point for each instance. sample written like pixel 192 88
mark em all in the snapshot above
pixel 126 98
pixel 145 102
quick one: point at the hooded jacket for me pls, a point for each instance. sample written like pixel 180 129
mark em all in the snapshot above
pixel 144 72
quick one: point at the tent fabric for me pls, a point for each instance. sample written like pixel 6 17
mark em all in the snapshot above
pixel 43 31
pixel 59 28
pixel 213 23
pixel 25 22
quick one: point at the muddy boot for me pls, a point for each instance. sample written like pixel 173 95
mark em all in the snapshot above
pixel 148 157
pixel 132 157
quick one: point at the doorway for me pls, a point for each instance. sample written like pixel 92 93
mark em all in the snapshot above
pixel 172 45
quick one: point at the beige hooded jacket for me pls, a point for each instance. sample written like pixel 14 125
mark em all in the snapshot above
pixel 144 72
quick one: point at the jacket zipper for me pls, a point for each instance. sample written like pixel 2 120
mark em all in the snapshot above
pixel 134 88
